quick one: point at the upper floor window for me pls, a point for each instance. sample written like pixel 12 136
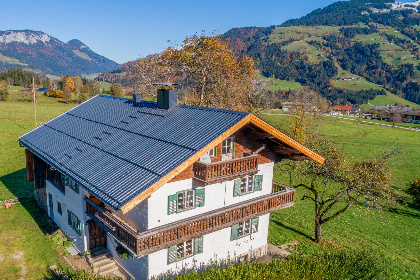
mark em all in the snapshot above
pixel 185 200
pixel 244 229
pixel 213 152
pixel 247 184
pixel 228 148
pixel 66 181
pixel 54 176
pixel 185 249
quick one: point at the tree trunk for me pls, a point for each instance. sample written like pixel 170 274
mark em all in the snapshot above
pixel 317 231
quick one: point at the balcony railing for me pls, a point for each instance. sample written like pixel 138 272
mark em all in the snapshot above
pixel 153 240
pixel 209 173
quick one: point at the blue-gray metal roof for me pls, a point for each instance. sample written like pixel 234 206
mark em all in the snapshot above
pixel 117 149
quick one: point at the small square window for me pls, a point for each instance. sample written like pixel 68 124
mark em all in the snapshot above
pixel 59 209
pixel 213 152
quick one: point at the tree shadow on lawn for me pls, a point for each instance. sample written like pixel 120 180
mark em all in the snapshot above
pixel 280 224
pixel 17 185
pixel 407 213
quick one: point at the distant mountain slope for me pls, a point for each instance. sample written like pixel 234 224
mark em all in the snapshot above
pixel 350 51
pixel 37 50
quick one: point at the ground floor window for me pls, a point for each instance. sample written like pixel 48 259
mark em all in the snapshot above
pixel 244 229
pixel 185 249
pixel 59 209
pixel 74 222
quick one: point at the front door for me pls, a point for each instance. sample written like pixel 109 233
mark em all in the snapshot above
pixel 51 206
pixel 97 235
pixel 227 148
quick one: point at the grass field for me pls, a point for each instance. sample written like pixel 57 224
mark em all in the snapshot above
pixel 388 233
pixel 390 99
pixel 396 58
pixel 356 84
pixel 26 251
pixel 303 47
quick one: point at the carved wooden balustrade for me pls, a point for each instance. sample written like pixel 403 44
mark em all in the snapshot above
pixel 153 240
pixel 209 173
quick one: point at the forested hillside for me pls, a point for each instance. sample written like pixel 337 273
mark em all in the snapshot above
pixel 349 51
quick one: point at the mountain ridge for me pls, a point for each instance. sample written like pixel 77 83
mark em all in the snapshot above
pixel 39 51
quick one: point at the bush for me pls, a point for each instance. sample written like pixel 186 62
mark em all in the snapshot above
pixel 122 252
pixel 322 264
pixel 67 244
pixel 55 93
pixel 414 190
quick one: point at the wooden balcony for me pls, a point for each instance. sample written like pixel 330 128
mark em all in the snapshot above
pixel 209 173
pixel 153 240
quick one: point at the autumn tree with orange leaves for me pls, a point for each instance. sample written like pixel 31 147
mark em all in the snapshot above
pixel 209 73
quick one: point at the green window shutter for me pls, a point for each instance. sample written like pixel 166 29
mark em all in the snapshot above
pixel 234 232
pixel 172 204
pixel 69 217
pixel 258 182
pixel 198 245
pixel 199 197
pixel 64 180
pixel 237 188
pixel 254 225
pixel 172 254
pixel 234 144
pixel 215 151
pixel 78 227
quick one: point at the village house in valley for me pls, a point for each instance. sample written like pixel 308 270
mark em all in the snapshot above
pixel 175 186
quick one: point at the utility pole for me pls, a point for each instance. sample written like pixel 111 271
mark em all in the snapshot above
pixel 33 89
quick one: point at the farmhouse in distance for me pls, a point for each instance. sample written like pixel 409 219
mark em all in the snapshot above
pixel 160 187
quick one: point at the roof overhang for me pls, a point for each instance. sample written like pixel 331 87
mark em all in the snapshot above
pixel 249 119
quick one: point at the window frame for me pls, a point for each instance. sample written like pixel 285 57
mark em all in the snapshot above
pixel 74 222
pixel 59 208
pixel 194 248
pixel 247 184
pixel 198 200
pixel 231 146
pixel 213 152
pixel 239 231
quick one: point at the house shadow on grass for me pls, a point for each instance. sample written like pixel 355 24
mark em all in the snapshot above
pixel 293 229
pixel 17 185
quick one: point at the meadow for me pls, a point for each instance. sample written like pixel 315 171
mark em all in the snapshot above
pixel 390 237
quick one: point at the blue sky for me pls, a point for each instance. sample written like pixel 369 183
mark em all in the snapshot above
pixel 127 30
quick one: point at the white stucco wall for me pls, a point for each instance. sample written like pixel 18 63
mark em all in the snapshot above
pixel 216 196
pixel 217 247
pixel 73 202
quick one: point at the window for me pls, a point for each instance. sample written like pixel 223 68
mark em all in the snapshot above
pixel 185 249
pixel 74 222
pixel 248 184
pixel 213 152
pixel 59 209
pixel 66 181
pixel 186 200
pixel 228 147
pixel 244 229
pixel 54 176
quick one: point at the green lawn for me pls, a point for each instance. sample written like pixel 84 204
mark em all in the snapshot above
pixel 369 38
pixel 25 250
pixel 303 47
pixel 390 99
pixel 391 234
pixel 105 85
pixel 396 58
pixel 356 84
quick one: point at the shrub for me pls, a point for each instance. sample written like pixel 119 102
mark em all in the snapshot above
pixel 322 264
pixel 56 238
pixel 55 93
pixel 67 244
pixel 122 252
pixel 414 190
